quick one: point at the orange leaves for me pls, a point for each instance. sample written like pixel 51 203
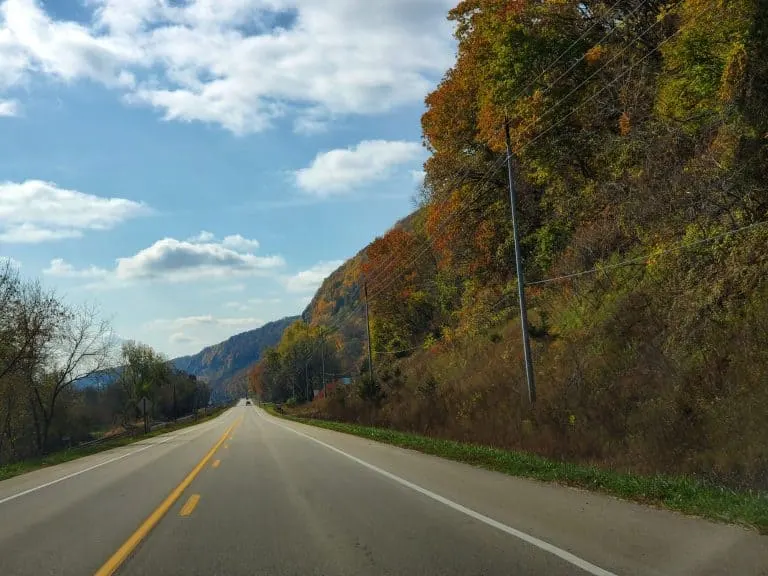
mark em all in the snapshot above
pixel 625 124
pixel 595 54
pixel 389 261
pixel 444 228
pixel 323 311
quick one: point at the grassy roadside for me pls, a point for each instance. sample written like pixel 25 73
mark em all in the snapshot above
pixel 24 466
pixel 675 493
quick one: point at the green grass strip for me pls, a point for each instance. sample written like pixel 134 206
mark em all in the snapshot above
pixel 24 466
pixel 682 494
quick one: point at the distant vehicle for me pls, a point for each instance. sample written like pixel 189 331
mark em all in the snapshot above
pixel 247 402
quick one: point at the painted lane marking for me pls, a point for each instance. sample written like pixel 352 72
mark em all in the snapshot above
pixel 525 537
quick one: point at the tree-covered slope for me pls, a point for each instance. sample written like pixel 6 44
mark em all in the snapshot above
pixel 221 362
pixel 639 138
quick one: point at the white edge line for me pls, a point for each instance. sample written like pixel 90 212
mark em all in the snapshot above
pixel 95 466
pixel 541 544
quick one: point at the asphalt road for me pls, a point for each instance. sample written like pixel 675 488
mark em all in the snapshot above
pixel 248 494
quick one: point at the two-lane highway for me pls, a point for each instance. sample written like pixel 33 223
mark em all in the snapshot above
pixel 251 494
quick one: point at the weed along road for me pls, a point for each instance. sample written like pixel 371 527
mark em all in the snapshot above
pixel 247 493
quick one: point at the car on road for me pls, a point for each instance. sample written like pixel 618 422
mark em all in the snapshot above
pixel 247 402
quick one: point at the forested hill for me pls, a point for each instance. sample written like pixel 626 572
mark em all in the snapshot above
pixel 338 303
pixel 639 132
pixel 222 363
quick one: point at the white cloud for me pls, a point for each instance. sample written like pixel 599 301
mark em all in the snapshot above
pixel 250 304
pixel 190 333
pixel 9 107
pixel 265 300
pixel 418 176
pixel 202 238
pixel 171 259
pixel 239 63
pixel 340 170
pixel 181 338
pixel 64 50
pixel 234 242
pixel 310 280
pixel 61 269
pixel 36 211
pixel 240 244
pixel 187 322
pixel 228 288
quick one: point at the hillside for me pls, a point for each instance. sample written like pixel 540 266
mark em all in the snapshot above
pixel 338 303
pixel 640 161
pixel 225 362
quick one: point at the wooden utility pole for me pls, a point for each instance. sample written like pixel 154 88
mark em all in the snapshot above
pixel 529 376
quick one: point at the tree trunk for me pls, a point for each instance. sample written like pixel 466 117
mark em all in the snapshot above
pixel 36 423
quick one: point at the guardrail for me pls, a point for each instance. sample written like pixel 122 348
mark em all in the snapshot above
pixel 106 439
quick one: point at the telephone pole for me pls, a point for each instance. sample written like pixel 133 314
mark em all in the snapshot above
pixel 368 325
pixel 322 382
pixel 529 376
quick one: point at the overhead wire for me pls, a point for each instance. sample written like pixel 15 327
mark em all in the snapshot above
pixel 551 85
pixel 495 166
pixel 551 108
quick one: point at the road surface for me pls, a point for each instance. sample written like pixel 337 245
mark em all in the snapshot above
pixel 249 494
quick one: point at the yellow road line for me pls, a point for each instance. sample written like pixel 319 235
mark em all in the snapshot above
pixel 190 506
pixel 216 463
pixel 117 559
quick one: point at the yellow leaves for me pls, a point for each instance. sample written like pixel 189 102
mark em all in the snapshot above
pixel 595 54
pixel 724 146
pixel 733 73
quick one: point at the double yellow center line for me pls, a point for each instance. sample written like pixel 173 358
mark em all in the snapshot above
pixel 119 557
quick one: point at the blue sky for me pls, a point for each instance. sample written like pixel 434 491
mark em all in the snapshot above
pixel 197 167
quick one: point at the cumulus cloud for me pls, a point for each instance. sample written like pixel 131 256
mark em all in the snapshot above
pixel 171 259
pixel 187 322
pixel 234 242
pixel 310 280
pixel 237 242
pixel 202 238
pixel 181 338
pixel 239 64
pixel 190 332
pixel 338 171
pixel 227 288
pixel 9 107
pixel 35 211
pixel 250 304
pixel 418 176
pixel 64 50
pixel 61 269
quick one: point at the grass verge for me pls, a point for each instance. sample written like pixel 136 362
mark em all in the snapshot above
pixel 24 466
pixel 687 495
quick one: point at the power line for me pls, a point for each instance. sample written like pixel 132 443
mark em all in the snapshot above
pixel 393 261
pixel 548 88
pixel 646 258
pixel 551 108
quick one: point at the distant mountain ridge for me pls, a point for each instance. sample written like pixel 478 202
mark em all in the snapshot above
pixel 224 365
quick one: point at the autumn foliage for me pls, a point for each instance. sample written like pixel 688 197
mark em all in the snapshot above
pixel 641 166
